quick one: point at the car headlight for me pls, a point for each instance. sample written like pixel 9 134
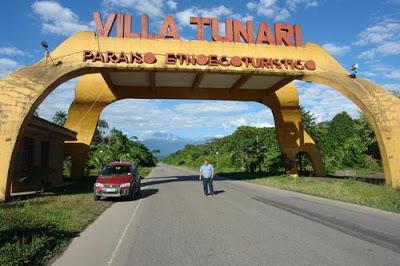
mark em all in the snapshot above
pixel 98 185
pixel 125 185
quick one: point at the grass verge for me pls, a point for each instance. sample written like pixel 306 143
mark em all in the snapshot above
pixel 144 171
pixel 349 190
pixel 32 230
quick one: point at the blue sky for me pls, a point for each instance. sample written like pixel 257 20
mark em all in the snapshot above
pixel 358 31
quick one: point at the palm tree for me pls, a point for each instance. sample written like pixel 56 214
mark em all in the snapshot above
pixel 100 131
pixel 102 125
pixel 60 117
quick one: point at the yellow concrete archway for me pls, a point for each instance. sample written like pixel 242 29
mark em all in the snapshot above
pixel 22 91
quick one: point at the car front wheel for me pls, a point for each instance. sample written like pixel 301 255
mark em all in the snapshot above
pixel 132 195
pixel 138 189
pixel 96 198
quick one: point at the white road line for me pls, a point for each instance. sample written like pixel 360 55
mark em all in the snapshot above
pixel 123 234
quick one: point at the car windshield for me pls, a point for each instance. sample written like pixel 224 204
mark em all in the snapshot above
pixel 116 170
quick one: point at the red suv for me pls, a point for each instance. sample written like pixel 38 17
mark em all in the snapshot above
pixel 118 179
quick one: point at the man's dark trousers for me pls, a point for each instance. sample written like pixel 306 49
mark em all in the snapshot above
pixel 208 182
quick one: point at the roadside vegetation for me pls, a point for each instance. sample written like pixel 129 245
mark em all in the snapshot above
pixel 145 171
pixel 34 229
pixel 344 143
pixel 111 145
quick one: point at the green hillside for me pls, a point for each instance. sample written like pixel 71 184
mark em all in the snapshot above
pixel 344 143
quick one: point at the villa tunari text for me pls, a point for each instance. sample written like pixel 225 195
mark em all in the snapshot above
pixel 234 31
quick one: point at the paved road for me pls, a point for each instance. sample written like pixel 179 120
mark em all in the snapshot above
pixel 244 224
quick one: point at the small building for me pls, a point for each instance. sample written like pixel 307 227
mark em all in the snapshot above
pixel 40 156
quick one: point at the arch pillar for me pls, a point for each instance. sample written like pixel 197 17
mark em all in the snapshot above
pixel 20 94
pixel 381 109
pixel 82 118
pixel 292 138
pixel 92 95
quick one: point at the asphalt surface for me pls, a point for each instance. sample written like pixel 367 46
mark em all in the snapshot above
pixel 244 224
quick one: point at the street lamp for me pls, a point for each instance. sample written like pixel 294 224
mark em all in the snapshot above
pixel 45 45
pixel 353 69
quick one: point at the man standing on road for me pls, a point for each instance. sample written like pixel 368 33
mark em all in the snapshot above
pixel 207 174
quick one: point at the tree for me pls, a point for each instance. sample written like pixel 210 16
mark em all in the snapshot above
pixel 396 93
pixel 155 151
pixel 309 123
pixel 100 131
pixel 102 125
pixel 367 134
pixel 343 142
pixel 353 152
pixel 247 149
pixel 60 117
pixel 341 128
pixel 117 146
pixel 303 164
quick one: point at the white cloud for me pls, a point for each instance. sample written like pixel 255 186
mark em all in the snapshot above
pixel 383 71
pixel 251 6
pixel 389 48
pixel 7 65
pixel 385 49
pixel 383 31
pixel 247 17
pixel 128 115
pixel 336 50
pixel 263 118
pixel 293 4
pixel 392 86
pixel 171 4
pixel 271 9
pixel 57 19
pixel 368 54
pixel 212 107
pixel 384 37
pixel 59 99
pixel 153 8
pixel 393 74
pixel 11 51
pixel 324 102
pixel 183 16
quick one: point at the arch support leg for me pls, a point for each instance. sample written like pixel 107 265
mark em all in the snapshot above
pixel 91 97
pixel 382 111
pixel 82 118
pixel 292 138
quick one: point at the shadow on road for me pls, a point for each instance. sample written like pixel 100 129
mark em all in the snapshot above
pixel 144 193
pixel 216 192
pixel 148 192
pixel 173 179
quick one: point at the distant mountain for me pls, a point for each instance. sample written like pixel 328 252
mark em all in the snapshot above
pixel 168 143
